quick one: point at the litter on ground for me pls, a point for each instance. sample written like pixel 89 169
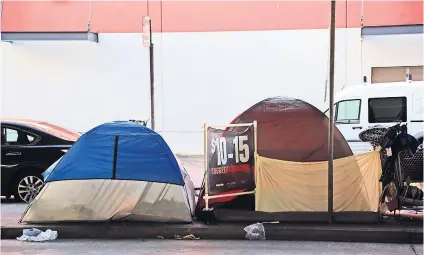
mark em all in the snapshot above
pixel 36 235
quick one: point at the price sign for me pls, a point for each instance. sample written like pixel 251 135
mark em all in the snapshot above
pixel 230 160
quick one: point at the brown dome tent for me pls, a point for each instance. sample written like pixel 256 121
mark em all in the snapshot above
pixel 293 130
pixel 288 129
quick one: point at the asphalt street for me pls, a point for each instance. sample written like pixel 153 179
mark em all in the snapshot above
pixel 167 247
pixel 9 210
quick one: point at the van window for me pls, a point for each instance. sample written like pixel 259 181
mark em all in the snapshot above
pixel 348 111
pixel 389 109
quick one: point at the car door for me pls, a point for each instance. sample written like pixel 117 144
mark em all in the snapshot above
pixel 11 149
pixel 350 121
pixel 11 153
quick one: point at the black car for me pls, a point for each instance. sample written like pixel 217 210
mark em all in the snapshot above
pixel 28 148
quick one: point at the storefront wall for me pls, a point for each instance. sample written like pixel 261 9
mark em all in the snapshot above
pixel 201 74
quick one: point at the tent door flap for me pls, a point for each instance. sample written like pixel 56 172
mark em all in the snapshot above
pixel 115 154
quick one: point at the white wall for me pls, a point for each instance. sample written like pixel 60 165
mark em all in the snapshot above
pixel 77 85
pixel 200 77
pixel 393 50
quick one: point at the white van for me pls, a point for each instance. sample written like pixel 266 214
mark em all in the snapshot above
pixel 360 107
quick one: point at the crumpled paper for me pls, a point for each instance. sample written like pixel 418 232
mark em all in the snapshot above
pixel 36 235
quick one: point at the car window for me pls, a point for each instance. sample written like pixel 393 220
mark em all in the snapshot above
pixel 389 109
pixel 30 138
pixel 11 135
pixel 348 111
pixel 52 130
pixel 17 137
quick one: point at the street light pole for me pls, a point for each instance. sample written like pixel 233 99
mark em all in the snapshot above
pixel 148 42
pixel 331 110
pixel 152 78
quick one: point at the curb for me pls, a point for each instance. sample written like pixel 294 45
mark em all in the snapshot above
pixel 230 232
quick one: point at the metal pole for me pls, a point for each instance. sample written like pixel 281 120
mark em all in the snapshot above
pixel 205 152
pixel 331 109
pixel 255 178
pixel 152 78
pixel 255 130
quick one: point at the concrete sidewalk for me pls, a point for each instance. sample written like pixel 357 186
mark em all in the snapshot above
pixel 381 233
pixel 389 232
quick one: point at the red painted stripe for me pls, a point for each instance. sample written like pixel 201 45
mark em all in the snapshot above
pixel 202 16
pixel 44 16
pixel 381 13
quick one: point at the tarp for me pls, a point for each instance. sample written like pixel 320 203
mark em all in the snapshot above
pixel 119 150
pixel 288 129
pixel 284 186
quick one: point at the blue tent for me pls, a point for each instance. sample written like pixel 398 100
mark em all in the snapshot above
pixel 118 170
pixel 121 150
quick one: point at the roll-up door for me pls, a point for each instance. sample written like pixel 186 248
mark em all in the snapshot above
pixel 395 73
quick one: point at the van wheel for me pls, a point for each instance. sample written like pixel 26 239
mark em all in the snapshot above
pixel 27 186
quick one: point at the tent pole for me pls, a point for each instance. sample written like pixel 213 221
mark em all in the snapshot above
pixel 205 153
pixel 331 110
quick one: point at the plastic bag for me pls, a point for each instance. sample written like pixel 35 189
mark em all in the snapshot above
pixel 31 232
pixel 255 232
pixel 42 236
